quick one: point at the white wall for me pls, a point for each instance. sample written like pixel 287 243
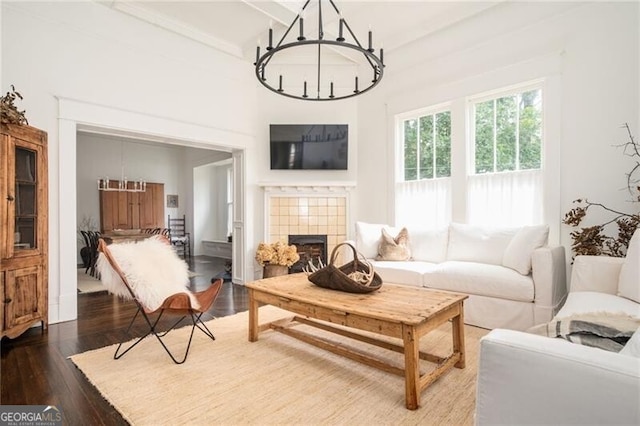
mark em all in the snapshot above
pixel 201 195
pixel 210 205
pixel 87 52
pixel 589 51
pixel 202 185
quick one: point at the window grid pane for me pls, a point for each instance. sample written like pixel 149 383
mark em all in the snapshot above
pixel 530 125
pixel 426 147
pixel 410 149
pixel 508 133
pixel 484 136
pixel 443 144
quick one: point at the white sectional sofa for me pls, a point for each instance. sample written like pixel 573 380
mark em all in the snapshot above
pixel 513 279
pixel 526 378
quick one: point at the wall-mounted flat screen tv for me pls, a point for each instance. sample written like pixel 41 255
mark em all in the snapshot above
pixel 309 146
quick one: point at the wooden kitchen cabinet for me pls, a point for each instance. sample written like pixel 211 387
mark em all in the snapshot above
pixel 24 216
pixel 132 210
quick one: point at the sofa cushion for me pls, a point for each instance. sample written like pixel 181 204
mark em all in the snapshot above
pixel 368 237
pixel 478 244
pixel 629 279
pixel 481 279
pixel 404 272
pixel 517 255
pixel 394 248
pixel 632 348
pixel 429 245
pixel 590 301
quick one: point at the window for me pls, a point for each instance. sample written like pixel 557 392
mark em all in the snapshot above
pixel 508 133
pixel 427 146
pixel 423 189
pixel 505 181
pixel 501 143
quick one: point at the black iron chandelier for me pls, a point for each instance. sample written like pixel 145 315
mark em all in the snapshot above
pixel 324 88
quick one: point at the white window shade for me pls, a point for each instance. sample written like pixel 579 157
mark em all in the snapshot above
pixel 505 199
pixel 423 203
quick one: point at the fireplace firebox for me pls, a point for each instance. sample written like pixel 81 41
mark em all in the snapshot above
pixel 310 248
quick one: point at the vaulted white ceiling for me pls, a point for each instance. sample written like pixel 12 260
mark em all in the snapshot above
pixel 236 26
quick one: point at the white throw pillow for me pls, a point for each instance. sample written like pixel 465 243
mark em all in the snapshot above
pixel 629 279
pixel 368 237
pixel 517 256
pixel 632 348
pixel 472 243
pixel 429 245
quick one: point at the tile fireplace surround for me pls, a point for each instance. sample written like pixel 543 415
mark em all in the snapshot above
pixel 311 209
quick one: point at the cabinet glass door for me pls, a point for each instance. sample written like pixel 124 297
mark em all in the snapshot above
pixel 26 202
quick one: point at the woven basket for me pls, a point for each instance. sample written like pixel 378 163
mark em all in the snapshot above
pixel 337 278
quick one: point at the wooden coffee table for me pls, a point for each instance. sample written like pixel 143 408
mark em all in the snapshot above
pixel 404 312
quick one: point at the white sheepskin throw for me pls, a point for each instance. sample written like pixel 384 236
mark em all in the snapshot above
pixel 152 268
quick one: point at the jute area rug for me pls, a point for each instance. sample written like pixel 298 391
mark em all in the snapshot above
pixel 276 380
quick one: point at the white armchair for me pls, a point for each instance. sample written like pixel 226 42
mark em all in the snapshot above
pixel 530 379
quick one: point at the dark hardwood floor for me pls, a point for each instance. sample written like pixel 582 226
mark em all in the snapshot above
pixel 35 369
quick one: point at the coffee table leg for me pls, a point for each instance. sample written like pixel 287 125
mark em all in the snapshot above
pixel 458 337
pixel 411 367
pixel 253 317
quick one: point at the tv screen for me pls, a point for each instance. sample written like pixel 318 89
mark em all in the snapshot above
pixel 309 146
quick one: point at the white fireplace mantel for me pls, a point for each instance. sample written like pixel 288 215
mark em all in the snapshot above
pixel 308 187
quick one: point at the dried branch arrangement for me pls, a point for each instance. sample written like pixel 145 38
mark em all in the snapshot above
pixel 9 113
pixel 592 240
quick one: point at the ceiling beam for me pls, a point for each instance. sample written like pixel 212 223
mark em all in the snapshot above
pixel 177 27
pixel 279 12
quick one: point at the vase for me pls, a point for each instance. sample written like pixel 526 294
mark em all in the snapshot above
pixel 274 271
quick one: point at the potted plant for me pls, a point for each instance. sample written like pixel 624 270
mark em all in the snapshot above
pixel 276 258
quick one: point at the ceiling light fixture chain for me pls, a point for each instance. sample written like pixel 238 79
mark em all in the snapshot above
pixel 376 62
pixel 124 184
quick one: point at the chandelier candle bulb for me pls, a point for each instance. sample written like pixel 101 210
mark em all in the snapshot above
pixel 270 46
pixel 382 55
pixel 257 54
pixel 301 29
pixel 340 37
pixel 370 41
pixel 356 91
pixel 280 84
pixel 305 90
pixel 331 95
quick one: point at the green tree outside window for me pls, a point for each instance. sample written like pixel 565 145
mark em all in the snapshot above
pixel 427 147
pixel 508 133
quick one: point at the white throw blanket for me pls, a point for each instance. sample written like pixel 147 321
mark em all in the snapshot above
pixel 152 268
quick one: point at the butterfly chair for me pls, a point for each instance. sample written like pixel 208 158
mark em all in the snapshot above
pixel 178 304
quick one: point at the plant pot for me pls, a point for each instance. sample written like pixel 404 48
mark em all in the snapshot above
pixel 274 271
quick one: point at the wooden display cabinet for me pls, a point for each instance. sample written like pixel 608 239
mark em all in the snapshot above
pixel 132 210
pixel 24 216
